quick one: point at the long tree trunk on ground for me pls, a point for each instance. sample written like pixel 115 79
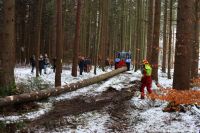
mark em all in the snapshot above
pixel 164 38
pixel 43 94
pixel 184 41
pixel 170 41
pixel 7 44
pixel 150 29
pixel 195 47
pixel 59 43
pixel 76 39
pixel 156 36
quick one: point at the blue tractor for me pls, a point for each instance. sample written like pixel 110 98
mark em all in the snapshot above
pixel 123 59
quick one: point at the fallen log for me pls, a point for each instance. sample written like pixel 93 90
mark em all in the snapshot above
pixel 43 94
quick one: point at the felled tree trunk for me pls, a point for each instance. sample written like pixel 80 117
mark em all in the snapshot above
pixel 43 94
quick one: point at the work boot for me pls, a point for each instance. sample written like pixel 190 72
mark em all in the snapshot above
pixel 142 97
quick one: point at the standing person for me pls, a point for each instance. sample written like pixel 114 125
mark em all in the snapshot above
pixel 41 64
pixel 86 65
pixel 54 64
pixel 81 65
pixel 89 64
pixel 32 62
pixel 128 62
pixel 46 63
pixel 146 78
pixel 117 60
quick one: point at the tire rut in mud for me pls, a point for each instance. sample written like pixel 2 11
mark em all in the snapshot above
pixel 84 104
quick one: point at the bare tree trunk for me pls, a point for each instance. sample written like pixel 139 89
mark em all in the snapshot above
pixel 104 32
pixel 150 29
pixel 156 36
pixel 170 41
pixel 7 44
pixel 53 44
pixel 76 39
pixel 38 32
pixel 59 43
pixel 164 38
pixel 195 48
pixel 184 41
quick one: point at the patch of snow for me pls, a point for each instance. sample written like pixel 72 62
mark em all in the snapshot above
pixel 44 108
pixel 89 122
pixel 155 120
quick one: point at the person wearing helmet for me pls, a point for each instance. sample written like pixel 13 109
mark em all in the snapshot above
pixel 146 78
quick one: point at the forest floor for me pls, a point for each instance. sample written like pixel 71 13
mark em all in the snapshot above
pixel 109 106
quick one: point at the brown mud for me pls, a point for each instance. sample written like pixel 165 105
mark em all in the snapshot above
pixel 112 99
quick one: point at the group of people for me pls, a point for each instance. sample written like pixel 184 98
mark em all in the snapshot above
pixel 84 64
pixel 43 62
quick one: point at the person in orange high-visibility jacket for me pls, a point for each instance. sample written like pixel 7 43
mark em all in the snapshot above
pixel 146 78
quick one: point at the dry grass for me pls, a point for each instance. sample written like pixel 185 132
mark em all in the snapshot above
pixel 177 96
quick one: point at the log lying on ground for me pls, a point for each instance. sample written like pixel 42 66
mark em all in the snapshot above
pixel 43 94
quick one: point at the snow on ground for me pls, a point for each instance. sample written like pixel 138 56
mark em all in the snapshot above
pixel 150 116
pixel 22 75
pixel 87 122
pixel 163 81
pixel 155 120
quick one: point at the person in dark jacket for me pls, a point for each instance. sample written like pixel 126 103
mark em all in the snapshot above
pixel 54 64
pixel 32 62
pixel 81 65
pixel 128 62
pixel 41 64
pixel 46 63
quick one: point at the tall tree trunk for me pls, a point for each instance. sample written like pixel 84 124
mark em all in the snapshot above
pixel 76 39
pixel 170 41
pixel 195 47
pixel 164 38
pixel 184 41
pixel 7 44
pixel 138 35
pixel 150 29
pixel 53 44
pixel 59 43
pixel 104 31
pixel 38 32
pixel 156 36
pixel 97 39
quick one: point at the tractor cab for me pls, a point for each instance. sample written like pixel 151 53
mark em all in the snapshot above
pixel 122 59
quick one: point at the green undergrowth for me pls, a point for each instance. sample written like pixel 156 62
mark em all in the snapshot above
pixel 33 84
pixel 11 127
pixel 8 90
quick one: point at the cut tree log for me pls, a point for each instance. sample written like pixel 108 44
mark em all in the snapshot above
pixel 43 94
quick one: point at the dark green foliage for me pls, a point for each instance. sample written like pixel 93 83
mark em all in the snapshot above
pixel 10 127
pixel 32 84
pixel 8 90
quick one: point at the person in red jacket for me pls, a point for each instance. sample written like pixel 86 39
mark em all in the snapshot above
pixel 146 78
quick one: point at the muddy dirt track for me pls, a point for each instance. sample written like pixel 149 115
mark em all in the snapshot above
pixel 112 101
